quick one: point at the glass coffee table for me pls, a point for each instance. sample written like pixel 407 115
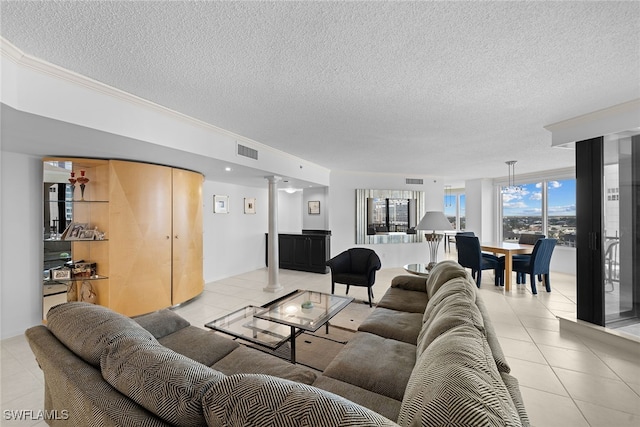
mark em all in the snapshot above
pixel 283 319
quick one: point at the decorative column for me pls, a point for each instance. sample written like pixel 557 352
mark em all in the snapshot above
pixel 272 239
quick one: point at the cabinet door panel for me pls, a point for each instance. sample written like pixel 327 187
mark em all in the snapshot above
pixel 140 237
pixel 188 280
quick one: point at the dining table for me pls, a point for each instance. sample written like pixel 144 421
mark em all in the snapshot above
pixel 508 249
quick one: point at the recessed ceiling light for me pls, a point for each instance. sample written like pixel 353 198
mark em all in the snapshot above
pixel 228 169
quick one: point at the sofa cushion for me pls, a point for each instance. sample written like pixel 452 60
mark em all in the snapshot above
pixel 385 406
pixel 87 329
pixel 460 288
pixel 162 322
pixel 164 382
pixel 441 273
pixel 410 282
pixel 452 311
pixel 374 363
pixel 455 382
pixel 262 400
pixel 245 360
pixel 205 347
pixel 393 324
pixel 401 300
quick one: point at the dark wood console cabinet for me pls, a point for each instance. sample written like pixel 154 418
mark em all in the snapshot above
pixel 308 251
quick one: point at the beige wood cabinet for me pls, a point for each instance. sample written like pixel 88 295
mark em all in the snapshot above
pixel 151 257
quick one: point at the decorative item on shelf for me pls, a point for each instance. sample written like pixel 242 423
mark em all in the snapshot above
pixel 72 295
pixel 98 234
pixel 84 269
pixel 74 230
pixel 83 182
pixel 87 293
pixel 87 235
pixel 60 273
pixel 73 181
pixel 435 221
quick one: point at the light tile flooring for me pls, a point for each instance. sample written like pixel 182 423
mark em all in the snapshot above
pixel 565 379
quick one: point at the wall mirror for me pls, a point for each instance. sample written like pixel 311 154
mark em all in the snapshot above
pixel 388 216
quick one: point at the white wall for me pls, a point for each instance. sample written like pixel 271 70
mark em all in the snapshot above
pixel 233 243
pixel 289 212
pixel 315 222
pixel 480 208
pixel 342 217
pixel 21 244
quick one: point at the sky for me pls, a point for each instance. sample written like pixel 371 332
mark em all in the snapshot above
pixel 528 201
pixel 561 196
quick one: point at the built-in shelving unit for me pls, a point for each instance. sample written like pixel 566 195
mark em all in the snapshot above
pixel 147 251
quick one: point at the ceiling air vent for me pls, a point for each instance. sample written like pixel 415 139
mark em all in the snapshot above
pixel 418 181
pixel 247 152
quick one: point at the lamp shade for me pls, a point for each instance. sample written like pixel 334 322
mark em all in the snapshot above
pixel 434 220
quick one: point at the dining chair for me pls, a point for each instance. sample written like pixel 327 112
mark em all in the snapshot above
pixel 471 256
pixel 536 265
pixel 452 238
pixel 528 239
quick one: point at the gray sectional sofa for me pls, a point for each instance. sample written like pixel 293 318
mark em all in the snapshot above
pixel 426 356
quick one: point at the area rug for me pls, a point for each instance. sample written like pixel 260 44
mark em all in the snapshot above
pixel 317 349
pixel 352 315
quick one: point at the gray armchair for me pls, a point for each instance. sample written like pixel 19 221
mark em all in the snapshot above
pixel 355 267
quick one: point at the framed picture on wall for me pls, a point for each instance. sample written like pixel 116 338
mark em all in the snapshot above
pixel 314 207
pixel 249 205
pixel 220 204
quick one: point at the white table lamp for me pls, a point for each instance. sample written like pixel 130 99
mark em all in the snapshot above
pixel 434 221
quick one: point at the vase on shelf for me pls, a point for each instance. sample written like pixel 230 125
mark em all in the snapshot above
pixel 73 181
pixel 83 181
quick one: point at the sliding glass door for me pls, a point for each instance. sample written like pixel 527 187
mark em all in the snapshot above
pixel 608 233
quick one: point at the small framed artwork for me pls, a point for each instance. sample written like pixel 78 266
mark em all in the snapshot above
pixel 249 205
pixel 74 230
pixel 87 235
pixel 314 207
pixel 61 274
pixel 221 204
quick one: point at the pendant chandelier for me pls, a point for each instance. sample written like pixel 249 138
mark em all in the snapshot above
pixel 512 187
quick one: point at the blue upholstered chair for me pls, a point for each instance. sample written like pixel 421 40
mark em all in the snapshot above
pixel 536 264
pixel 471 256
pixel 527 239
pixel 355 267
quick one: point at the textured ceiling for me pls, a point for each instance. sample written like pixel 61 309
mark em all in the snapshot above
pixel 449 89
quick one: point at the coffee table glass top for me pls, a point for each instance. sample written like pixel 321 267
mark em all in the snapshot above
pixel 243 324
pixel 306 310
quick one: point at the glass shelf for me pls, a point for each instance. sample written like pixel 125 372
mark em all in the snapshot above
pixel 74 279
pixel 76 201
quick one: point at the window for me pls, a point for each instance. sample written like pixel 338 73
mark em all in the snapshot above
pixel 547 207
pixel 454 210
pixel 561 211
pixel 390 215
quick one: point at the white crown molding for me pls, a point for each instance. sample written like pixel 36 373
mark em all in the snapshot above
pixel 13 53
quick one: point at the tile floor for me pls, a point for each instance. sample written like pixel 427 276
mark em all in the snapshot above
pixel 566 380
